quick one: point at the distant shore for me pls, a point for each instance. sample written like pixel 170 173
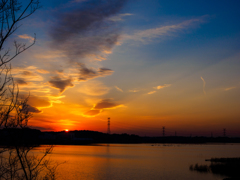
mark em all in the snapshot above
pixel 92 137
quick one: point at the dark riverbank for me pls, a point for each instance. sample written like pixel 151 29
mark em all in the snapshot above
pixel 89 137
pixel 222 166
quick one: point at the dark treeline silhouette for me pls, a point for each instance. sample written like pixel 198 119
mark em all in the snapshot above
pixel 34 136
pixel 20 137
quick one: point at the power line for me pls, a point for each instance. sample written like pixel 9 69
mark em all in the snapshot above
pixel 163 131
pixel 108 131
pixel 224 132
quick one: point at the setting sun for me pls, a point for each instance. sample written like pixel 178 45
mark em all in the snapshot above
pixel 149 89
pixel 190 83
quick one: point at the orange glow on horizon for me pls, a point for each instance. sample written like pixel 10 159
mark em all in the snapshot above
pixel 66 130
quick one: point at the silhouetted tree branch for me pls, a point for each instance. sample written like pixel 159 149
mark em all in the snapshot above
pixel 17 160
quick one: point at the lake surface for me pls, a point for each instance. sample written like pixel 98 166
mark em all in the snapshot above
pixel 138 161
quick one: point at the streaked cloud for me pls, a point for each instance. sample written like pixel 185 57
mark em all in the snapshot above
pixel 92 112
pixel 119 89
pixel 50 55
pixel 42 71
pixel 147 36
pixel 93 88
pixel 79 1
pixel 38 101
pixel 29 74
pixel 152 92
pixel 90 73
pixel 21 81
pixel 133 90
pixel 54 99
pixel 159 87
pixel 25 36
pixel 162 86
pixel 38 87
pixel 119 17
pixel 106 104
pixel 230 88
pixel 33 109
pixel 204 84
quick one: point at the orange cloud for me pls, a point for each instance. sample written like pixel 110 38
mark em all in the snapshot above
pixel 28 73
pixel 25 36
pixel 38 101
pixel 163 86
pixel 230 88
pixel 134 90
pixel 119 89
pixel 93 88
pixel 42 71
pixel 152 92
pixel 93 112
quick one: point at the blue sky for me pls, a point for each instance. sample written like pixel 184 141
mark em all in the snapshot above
pixel 145 64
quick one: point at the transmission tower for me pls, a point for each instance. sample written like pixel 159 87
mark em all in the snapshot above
pixel 224 132
pixel 163 131
pixel 108 131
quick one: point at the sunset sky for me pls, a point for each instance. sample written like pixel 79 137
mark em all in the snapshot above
pixel 143 63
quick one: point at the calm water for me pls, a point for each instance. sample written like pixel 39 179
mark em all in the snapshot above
pixel 141 161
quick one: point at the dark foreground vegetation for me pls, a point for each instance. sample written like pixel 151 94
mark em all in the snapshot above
pixel 37 137
pixel 222 166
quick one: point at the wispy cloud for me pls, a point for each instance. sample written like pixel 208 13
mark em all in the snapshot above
pixel 90 73
pixel 39 102
pixel 162 86
pixel 133 90
pixel 159 87
pixel 50 55
pixel 93 88
pixel 152 92
pixel 25 36
pixel 119 89
pixel 79 1
pixel 33 109
pixel 147 36
pixel 21 81
pixel 230 88
pixel 92 112
pixel 54 99
pixel 42 71
pixel 27 74
pixel 106 104
pixel 119 17
pixel 85 29
pixel 204 84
